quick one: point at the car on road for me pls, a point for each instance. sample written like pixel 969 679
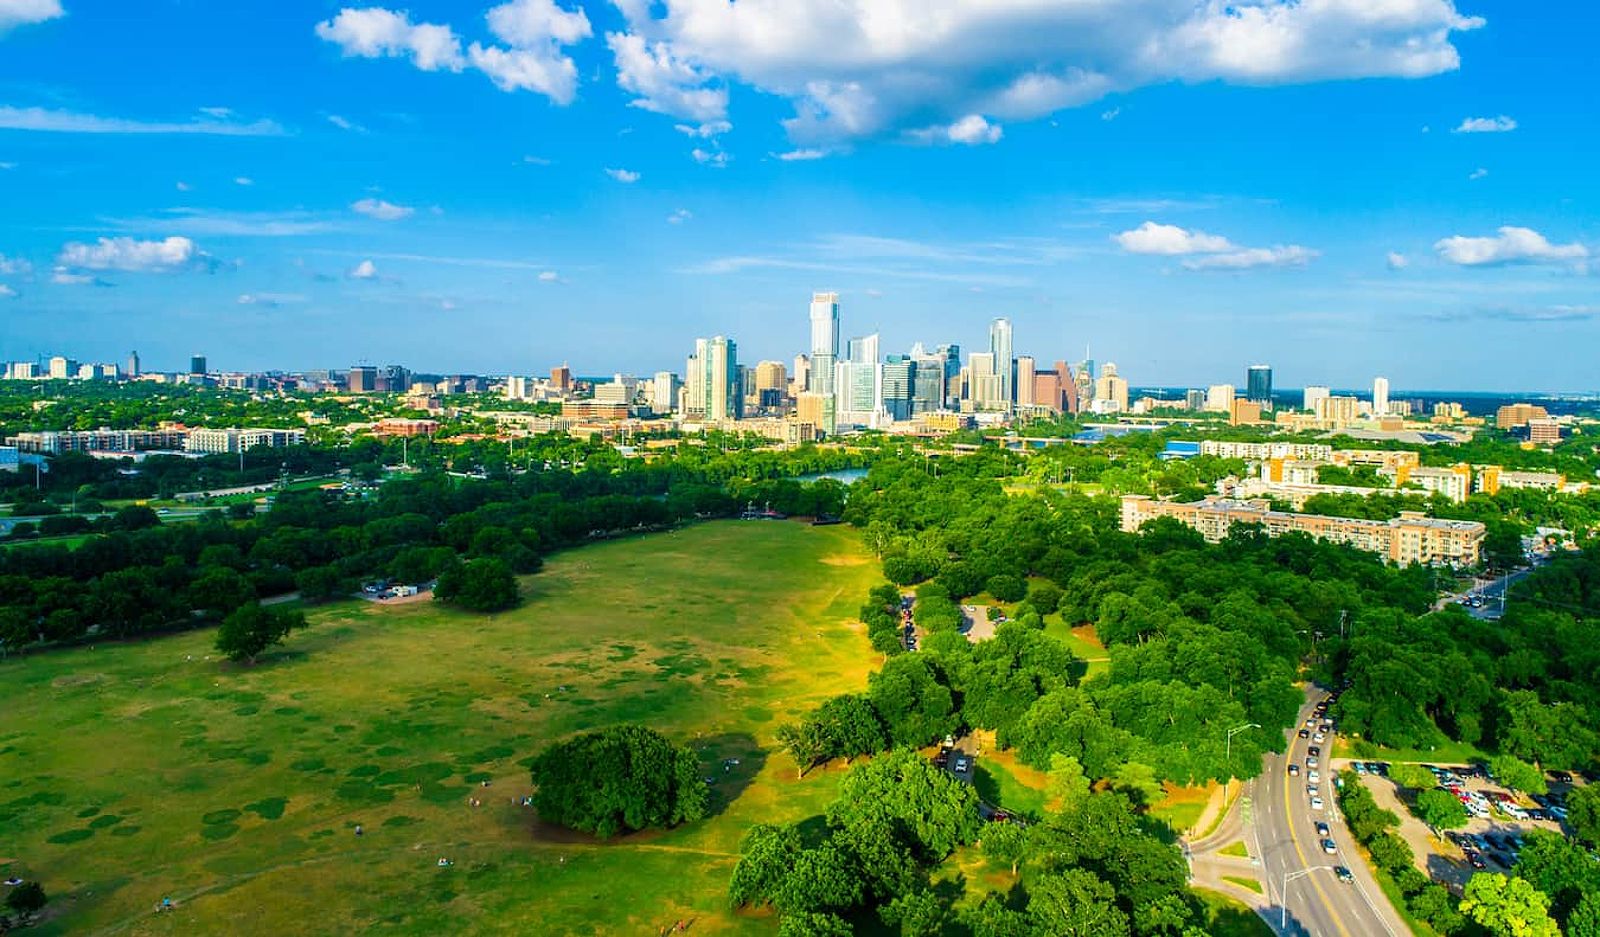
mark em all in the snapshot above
pixel 1312 776
pixel 1294 769
pixel 1305 733
pixel 1561 777
pixel 1316 803
pixel 961 765
pixel 1329 846
pixel 1311 762
pixel 1322 829
pixel 1313 750
pixel 1318 736
pixel 1344 874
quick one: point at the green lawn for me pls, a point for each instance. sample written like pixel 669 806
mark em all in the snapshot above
pixel 1450 753
pixel 137 771
pixel 1000 787
pixel 1228 918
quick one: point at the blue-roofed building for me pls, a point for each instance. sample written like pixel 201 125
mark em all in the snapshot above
pixel 10 459
pixel 1177 449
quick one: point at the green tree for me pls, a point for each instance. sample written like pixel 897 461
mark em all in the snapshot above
pixel 766 855
pixel 806 742
pixel 914 704
pixel 219 590
pixel 27 899
pixel 935 811
pixel 1517 774
pixel 918 913
pixel 1583 813
pixel 1585 919
pixel 823 880
pixel 1005 843
pixel 482 585
pixel 1508 907
pixel 249 630
pixel 616 780
pixel 1415 777
pixel 1440 809
pixel 1066 787
pixel 1558 867
pixel 1075 903
pixel 814 924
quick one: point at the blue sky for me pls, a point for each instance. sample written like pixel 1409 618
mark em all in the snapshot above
pixel 1341 188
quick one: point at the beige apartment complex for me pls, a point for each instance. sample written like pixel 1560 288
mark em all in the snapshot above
pixel 1410 538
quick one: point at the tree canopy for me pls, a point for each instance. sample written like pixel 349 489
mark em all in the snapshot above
pixel 617 780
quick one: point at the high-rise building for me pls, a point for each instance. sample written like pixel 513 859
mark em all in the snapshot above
pixel 899 380
pixel 1025 381
pixel 1004 366
pixel 951 354
pixel 824 341
pixel 711 380
pixel 664 392
pixel 1195 400
pixel 800 379
pixel 1219 398
pixel 133 364
pixel 858 384
pixel 363 379
pixel 1380 396
pixel 1315 394
pixel 1111 391
pixel 1258 384
pixel 62 368
pixel 561 378
pixel 197 365
pixel 928 385
pixel 984 387
pixel 1514 415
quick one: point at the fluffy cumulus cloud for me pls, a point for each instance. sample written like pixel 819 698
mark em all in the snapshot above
pixel 14 265
pixel 970 130
pixel 534 32
pixel 625 176
pixel 1397 260
pixel 1501 124
pixel 7 292
pixel 873 68
pixel 23 12
pixel 365 270
pixel 1204 251
pixel 1510 245
pixel 382 210
pixel 130 255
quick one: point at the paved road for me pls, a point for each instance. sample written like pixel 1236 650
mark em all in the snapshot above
pixel 1283 834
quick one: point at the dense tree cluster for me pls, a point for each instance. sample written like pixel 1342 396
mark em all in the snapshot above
pixel 1526 686
pixel 1374 828
pixel 618 780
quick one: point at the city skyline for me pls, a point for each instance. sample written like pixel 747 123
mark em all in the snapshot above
pixel 388 196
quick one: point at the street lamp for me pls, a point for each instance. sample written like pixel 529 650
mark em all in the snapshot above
pixel 1228 752
pixel 1283 893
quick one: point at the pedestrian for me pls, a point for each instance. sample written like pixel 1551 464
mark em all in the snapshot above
pixel 358 829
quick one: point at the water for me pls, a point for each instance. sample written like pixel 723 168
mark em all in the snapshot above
pixel 843 476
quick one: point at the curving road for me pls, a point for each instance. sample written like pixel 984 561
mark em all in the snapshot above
pixel 1283 835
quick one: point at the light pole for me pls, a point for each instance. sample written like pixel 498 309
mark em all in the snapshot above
pixel 1228 752
pixel 1283 893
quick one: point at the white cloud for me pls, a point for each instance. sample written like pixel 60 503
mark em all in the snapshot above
pixel 537 161
pixel 971 130
pixel 802 155
pixel 875 68
pixel 680 216
pixel 7 292
pixel 626 176
pixel 715 158
pixel 182 186
pixel 549 276
pixel 662 82
pixel 220 113
pixel 11 266
pixel 365 270
pixel 62 277
pixel 1112 114
pixel 705 131
pixel 40 119
pixel 1397 260
pixel 1287 255
pixel 382 210
pixel 1477 174
pixel 1511 245
pixel 127 254
pixel 1170 240
pixel 270 300
pixel 245 181
pixel 26 12
pixel 374 32
pixel 535 32
pixel 345 123
pixel 1501 124
pixel 6 166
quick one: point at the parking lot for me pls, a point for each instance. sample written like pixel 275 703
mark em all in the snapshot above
pixel 1492 837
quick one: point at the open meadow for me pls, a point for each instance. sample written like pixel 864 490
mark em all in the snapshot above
pixel 132 772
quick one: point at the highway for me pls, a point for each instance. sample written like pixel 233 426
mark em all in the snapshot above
pixel 1283 834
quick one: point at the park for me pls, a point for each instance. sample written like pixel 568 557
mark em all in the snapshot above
pixel 140 771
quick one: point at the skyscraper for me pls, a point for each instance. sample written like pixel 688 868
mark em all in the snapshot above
pixel 1380 396
pixel 899 380
pixel 711 380
pixel 1024 394
pixel 197 364
pixel 859 384
pixel 824 341
pixel 1314 395
pixel 1111 391
pixel 1004 366
pixel 1258 384
pixel 363 379
pixel 133 364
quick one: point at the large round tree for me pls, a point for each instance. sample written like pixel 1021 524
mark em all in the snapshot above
pixel 617 780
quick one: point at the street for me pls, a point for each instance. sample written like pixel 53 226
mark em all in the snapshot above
pixel 1284 837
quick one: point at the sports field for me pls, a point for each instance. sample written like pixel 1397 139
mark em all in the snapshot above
pixel 133 772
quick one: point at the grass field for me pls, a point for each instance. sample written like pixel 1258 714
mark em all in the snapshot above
pixel 132 772
pixel 1450 753
pixel 1229 918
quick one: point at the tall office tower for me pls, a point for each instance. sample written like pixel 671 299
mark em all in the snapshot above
pixel 1380 396
pixel 1024 381
pixel 771 384
pixel 197 364
pixel 363 379
pixel 951 354
pixel 1000 348
pixel 800 378
pixel 561 378
pixel 1315 394
pixel 664 392
pixel 398 377
pixel 824 341
pixel 1195 400
pixel 1083 381
pixel 928 385
pixel 133 364
pixel 1219 398
pixel 62 368
pixel 858 384
pixel 1258 384
pixel 899 379
pixel 1111 391
pixel 985 388
pixel 711 380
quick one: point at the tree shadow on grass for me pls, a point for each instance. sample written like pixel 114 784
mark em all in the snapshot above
pixel 730 762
